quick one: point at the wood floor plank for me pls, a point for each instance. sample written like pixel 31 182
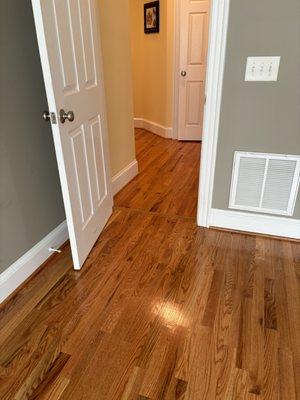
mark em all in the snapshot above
pixel 270 386
pixel 293 303
pixel 237 385
pixel 270 305
pixel 133 384
pixel 257 322
pixel 55 391
pixel 286 375
pixel 176 390
pixel 200 371
pixel 244 337
pixel 213 299
pixel 160 367
pixel 52 385
pixel 222 356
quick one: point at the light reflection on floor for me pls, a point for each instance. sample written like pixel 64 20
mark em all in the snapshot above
pixel 170 315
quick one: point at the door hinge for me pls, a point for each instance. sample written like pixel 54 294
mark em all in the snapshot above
pixel 53 118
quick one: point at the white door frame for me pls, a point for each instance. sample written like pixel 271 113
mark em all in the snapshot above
pixel 176 64
pixel 214 86
pixel 218 27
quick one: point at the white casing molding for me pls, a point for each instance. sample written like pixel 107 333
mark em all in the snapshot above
pixel 160 130
pixel 124 176
pixel 138 123
pixel 256 223
pixel 25 266
pixel 176 68
pixel 214 84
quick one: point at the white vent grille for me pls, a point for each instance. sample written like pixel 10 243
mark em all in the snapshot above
pixel 265 183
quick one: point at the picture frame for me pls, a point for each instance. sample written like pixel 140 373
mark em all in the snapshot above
pixel 151 17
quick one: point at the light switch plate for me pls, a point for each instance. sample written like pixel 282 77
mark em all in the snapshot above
pixel 262 69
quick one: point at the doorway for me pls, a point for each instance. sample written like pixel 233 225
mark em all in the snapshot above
pixel 169 70
pixel 190 65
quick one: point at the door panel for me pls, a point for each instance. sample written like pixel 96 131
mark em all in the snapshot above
pixel 64 37
pixel 80 166
pixel 71 60
pixel 87 45
pixel 98 169
pixel 194 95
pixel 196 48
pixel 193 54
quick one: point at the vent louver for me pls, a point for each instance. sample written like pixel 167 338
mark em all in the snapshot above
pixel 266 183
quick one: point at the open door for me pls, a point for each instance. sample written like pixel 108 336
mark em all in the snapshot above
pixel 67 33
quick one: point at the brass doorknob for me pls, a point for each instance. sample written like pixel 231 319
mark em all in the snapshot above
pixel 183 73
pixel 63 116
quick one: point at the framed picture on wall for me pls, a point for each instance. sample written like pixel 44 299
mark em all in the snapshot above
pixel 151 17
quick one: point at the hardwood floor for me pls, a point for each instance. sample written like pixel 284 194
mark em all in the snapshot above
pixel 168 178
pixel 161 310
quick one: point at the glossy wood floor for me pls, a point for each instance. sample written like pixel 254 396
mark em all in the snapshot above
pixel 161 310
pixel 168 178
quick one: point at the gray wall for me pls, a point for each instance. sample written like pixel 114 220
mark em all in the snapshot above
pixel 30 197
pixel 262 117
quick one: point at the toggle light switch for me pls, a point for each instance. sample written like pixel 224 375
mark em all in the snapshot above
pixel 262 69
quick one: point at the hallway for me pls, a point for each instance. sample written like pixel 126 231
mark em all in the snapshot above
pixel 168 177
pixel 162 309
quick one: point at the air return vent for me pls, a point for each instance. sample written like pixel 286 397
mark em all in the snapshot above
pixel 266 183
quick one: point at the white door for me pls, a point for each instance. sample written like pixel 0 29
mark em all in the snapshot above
pixel 68 38
pixel 194 21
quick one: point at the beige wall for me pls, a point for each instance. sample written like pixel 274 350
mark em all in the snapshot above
pixel 116 43
pixel 152 64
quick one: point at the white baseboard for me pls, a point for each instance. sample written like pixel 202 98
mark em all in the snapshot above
pixel 139 123
pixel 125 176
pixel 256 223
pixel 21 269
pixel 153 127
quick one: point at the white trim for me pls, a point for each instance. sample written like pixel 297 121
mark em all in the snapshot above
pixel 122 178
pixel 256 223
pixel 25 266
pixel 176 63
pixel 139 123
pixel 214 83
pixel 160 130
